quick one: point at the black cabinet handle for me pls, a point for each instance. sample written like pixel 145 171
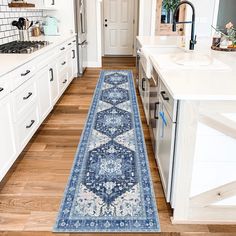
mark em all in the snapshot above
pixel 28 96
pixel 63 63
pixel 69 44
pixel 29 126
pixel 26 73
pixel 64 81
pixel 63 48
pixel 163 94
pixel 73 51
pixel 74 41
pixel 52 76
pixel 155 112
pixel 1 89
pixel 53 2
pixel 106 25
pixel 143 81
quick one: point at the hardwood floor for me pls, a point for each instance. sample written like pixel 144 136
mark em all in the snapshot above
pixel 31 193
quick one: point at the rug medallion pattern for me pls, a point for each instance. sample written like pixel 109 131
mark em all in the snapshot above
pixel 110 188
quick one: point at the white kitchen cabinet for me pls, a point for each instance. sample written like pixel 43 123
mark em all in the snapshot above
pixel 7 137
pixel 23 98
pixel 70 65
pixel 44 91
pixel 144 91
pixel 63 81
pixel 63 72
pixel 74 62
pixel 26 126
pixel 45 4
pixel 54 83
pixel 28 94
pixel 50 4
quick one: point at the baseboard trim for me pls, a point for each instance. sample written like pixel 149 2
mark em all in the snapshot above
pixel 95 64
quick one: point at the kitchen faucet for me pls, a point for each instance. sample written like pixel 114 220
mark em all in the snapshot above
pixel 193 36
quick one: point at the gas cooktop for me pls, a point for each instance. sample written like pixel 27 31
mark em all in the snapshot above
pixel 20 47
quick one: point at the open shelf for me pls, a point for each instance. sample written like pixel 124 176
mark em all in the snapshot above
pixel 13 4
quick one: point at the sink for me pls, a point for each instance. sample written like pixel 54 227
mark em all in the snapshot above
pixel 192 59
pixel 146 52
pixel 188 60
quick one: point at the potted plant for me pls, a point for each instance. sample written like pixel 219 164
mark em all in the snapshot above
pixel 231 32
pixel 170 6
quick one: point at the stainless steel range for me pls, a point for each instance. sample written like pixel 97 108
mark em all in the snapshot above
pixel 20 47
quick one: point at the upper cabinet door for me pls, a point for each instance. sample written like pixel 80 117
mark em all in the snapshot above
pixel 45 4
pixel 50 3
pixel 164 17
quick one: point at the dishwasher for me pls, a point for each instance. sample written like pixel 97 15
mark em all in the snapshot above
pixel 166 139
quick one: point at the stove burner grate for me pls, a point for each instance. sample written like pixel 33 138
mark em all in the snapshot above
pixel 20 47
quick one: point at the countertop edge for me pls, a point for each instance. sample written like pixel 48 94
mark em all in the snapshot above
pixel 34 55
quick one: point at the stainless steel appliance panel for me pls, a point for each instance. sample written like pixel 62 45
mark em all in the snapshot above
pixel 82 55
pixel 81 31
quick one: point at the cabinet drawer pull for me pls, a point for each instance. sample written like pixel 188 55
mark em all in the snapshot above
pixel 29 126
pixel 52 76
pixel 73 51
pixel 64 81
pixel 69 44
pixel 26 73
pixel 1 89
pixel 53 2
pixel 143 81
pixel 28 96
pixel 63 48
pixel 163 94
pixel 155 112
pixel 63 63
pixel 74 41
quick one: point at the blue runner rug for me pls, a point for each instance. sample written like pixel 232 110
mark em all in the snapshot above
pixel 110 187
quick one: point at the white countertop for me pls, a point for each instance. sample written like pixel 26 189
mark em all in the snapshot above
pixel 159 41
pixel 9 62
pixel 197 84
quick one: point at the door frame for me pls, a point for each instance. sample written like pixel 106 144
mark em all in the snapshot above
pixel 135 28
pixel 215 15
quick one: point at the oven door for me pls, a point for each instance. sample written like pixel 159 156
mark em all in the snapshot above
pixel 153 110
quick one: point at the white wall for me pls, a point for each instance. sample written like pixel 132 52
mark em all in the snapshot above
pixel 94 32
pixel 66 18
pixel 147 9
pixel 204 17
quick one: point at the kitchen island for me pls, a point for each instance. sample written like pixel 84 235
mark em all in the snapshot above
pixel 196 128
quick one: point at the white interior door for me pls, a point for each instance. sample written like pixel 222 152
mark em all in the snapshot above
pixel 118 27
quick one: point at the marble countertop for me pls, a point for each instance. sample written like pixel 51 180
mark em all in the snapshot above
pixel 213 82
pixel 10 62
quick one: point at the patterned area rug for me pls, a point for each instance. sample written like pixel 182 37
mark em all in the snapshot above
pixel 110 187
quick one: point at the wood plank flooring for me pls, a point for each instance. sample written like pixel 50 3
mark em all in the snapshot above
pixel 31 193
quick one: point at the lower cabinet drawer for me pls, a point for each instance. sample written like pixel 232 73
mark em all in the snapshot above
pixel 5 87
pixel 23 98
pixel 63 81
pixel 26 127
pixel 62 63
